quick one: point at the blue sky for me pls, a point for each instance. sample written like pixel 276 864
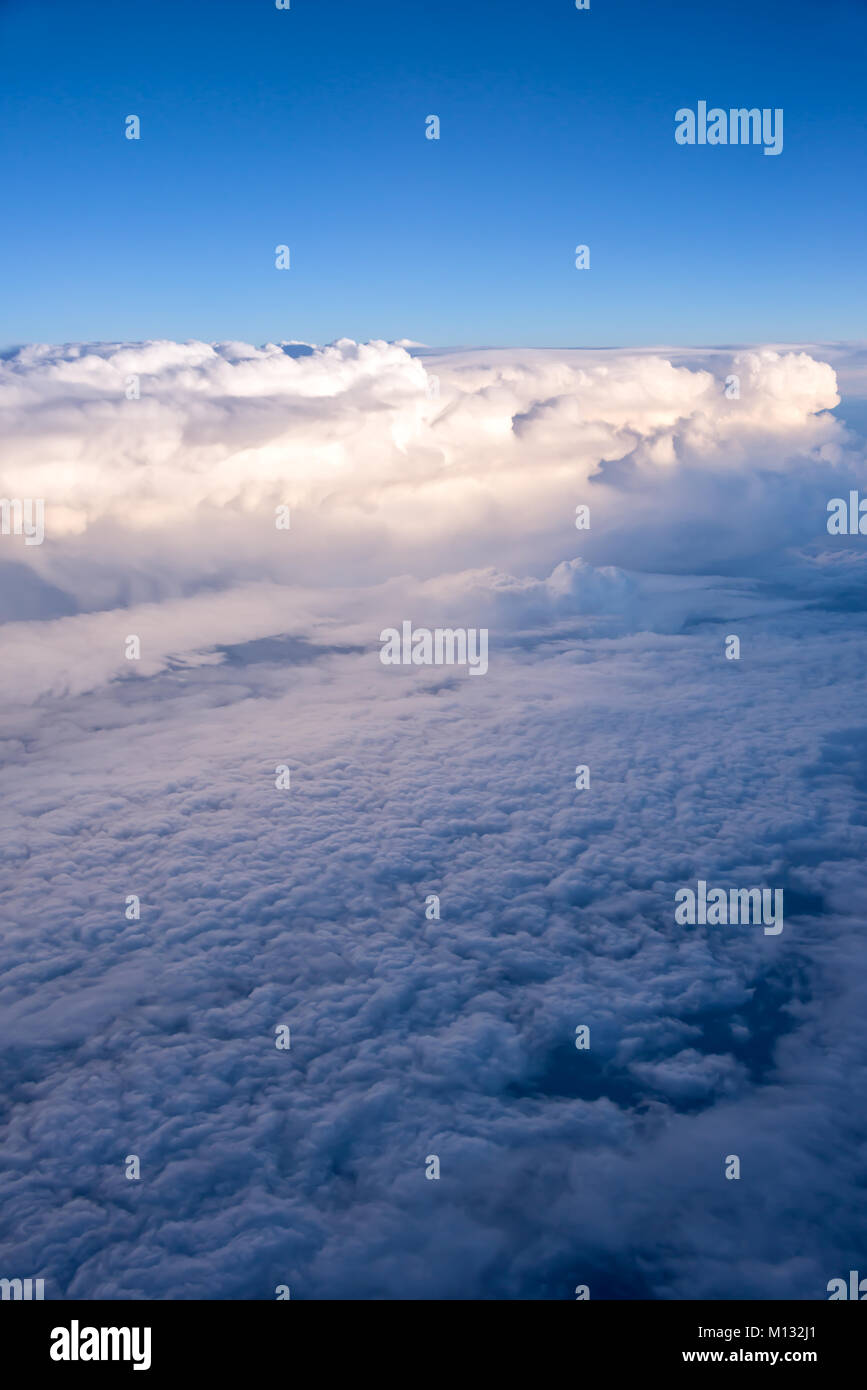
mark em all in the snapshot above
pixel 306 127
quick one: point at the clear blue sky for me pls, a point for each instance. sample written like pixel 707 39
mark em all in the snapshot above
pixel 306 127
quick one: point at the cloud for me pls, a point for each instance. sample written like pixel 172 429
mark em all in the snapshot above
pixel 150 497
pixel 413 1036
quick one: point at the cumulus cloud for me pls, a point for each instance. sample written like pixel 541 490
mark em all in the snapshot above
pixel 451 504
pixel 384 475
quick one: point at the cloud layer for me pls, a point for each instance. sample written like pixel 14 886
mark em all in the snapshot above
pixel 446 503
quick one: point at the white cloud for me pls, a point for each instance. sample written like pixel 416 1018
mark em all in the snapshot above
pixel 409 1037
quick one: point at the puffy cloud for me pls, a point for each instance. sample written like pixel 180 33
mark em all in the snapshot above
pixel 176 489
pixel 306 906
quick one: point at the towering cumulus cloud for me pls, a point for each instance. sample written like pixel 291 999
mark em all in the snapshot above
pixel 225 816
